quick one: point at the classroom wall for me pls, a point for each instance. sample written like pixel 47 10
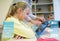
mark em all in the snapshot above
pixel 57 9
pixel 4 6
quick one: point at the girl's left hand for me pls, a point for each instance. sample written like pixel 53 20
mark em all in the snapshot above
pixel 19 37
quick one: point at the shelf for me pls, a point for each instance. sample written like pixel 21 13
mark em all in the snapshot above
pixel 34 12
pixel 44 12
pixel 44 7
pixel 33 3
pixel 42 3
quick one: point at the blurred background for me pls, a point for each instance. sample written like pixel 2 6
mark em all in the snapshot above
pixel 41 8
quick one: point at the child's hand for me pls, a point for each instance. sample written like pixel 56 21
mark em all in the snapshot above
pixel 36 22
pixel 48 25
pixel 42 19
pixel 18 37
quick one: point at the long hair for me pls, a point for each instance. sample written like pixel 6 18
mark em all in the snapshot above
pixel 14 7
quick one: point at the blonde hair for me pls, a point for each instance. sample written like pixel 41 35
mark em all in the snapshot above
pixel 14 7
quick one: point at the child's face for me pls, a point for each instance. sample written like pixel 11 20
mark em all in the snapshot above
pixel 23 13
pixel 26 12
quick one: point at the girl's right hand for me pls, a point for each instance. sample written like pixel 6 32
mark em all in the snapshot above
pixel 37 22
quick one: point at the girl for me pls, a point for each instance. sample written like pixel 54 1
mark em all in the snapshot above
pixel 16 14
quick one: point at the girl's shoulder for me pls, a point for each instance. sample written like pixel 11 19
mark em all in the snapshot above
pixel 9 19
